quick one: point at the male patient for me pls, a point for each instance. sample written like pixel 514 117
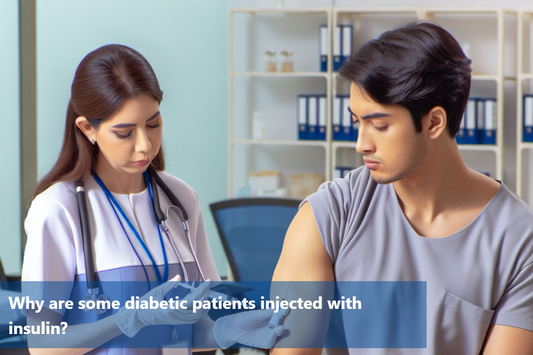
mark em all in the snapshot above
pixel 415 211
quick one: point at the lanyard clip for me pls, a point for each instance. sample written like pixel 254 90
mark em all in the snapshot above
pixel 173 333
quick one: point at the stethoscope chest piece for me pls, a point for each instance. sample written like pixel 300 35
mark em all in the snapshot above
pixel 100 302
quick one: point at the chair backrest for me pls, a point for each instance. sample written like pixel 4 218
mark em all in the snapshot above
pixel 252 231
pixel 3 276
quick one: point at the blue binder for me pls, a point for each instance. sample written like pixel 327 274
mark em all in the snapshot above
pixel 322 117
pixel 528 118
pixel 324 47
pixel 346 170
pixel 346 128
pixel 312 117
pixel 460 137
pixel 480 120
pixel 337 47
pixel 347 40
pixel 490 116
pixel 302 117
pixel 341 171
pixel 470 122
pixel 337 118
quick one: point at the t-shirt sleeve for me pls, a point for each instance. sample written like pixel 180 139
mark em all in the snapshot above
pixel 339 206
pixel 330 205
pixel 515 308
pixel 50 253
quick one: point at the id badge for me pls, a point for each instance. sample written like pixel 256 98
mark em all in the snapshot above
pixel 177 347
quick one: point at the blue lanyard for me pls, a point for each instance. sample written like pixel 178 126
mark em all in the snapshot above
pixel 114 202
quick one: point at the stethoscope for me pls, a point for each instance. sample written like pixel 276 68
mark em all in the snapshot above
pixel 152 181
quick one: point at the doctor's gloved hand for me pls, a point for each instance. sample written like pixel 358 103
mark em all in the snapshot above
pixel 248 328
pixel 130 321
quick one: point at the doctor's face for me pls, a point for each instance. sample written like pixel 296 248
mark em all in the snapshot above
pixel 391 147
pixel 131 138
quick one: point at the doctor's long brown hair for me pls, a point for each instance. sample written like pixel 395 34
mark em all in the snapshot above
pixel 105 78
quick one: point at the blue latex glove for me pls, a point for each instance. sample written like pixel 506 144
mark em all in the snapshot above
pixel 248 328
pixel 130 321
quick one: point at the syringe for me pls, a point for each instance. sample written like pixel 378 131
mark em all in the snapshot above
pixel 211 294
pixel 278 317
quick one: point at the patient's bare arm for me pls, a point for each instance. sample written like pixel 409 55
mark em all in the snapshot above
pixel 303 258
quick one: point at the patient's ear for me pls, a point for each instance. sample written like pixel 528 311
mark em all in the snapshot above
pixel 435 122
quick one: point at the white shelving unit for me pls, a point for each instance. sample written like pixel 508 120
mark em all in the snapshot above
pixel 491 34
pixel 490 78
pixel 368 23
pixel 524 150
pixel 252 89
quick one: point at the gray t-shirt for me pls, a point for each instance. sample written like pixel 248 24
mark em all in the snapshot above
pixel 480 275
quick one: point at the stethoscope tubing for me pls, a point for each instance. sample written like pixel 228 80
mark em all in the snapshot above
pixel 86 233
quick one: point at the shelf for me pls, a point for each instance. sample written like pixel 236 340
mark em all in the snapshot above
pixel 485 77
pixel 480 77
pixel 280 11
pixel 486 29
pixel 526 76
pixel 343 144
pixel 376 11
pixel 279 142
pixel 479 147
pixel 489 77
pixel 465 147
pixel 470 11
pixel 526 145
pixel 281 74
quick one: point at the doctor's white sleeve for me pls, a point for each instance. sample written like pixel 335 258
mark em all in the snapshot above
pixel 50 252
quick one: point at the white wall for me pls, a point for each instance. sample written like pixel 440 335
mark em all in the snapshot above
pixel 10 234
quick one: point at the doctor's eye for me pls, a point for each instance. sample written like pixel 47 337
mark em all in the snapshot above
pixel 157 125
pixel 121 136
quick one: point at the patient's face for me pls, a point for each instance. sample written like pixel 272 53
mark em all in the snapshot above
pixel 391 147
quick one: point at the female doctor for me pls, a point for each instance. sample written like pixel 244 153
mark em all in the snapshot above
pixel 112 136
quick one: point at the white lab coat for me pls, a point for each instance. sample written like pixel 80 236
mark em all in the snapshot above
pixel 54 250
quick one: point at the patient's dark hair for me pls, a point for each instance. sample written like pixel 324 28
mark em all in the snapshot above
pixel 419 65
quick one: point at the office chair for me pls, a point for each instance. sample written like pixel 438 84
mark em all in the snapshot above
pixel 252 231
pixel 17 345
